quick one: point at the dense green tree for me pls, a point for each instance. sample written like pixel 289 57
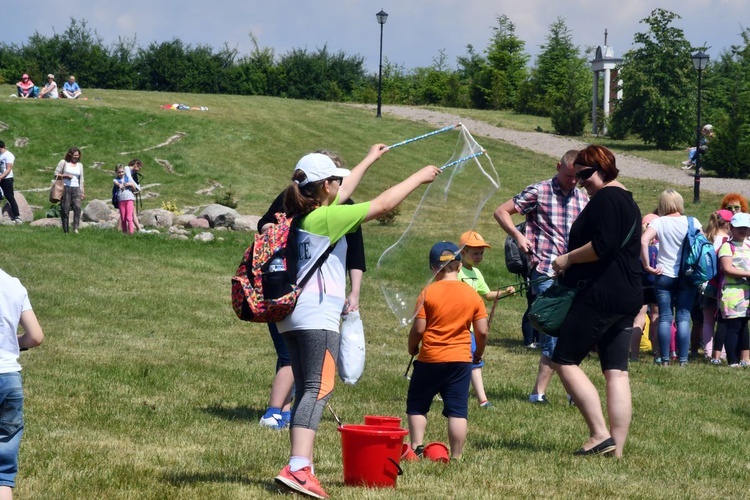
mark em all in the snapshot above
pixel 506 66
pixel 658 101
pixel 560 80
pixel 728 100
pixel 471 69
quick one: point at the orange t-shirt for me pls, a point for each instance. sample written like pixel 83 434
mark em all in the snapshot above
pixel 450 308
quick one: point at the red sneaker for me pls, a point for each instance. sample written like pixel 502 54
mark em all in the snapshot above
pixel 302 481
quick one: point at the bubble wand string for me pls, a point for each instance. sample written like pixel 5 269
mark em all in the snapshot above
pixel 424 136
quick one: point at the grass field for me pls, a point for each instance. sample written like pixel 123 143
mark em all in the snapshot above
pixel 147 386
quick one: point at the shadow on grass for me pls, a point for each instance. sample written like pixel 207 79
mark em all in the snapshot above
pixel 509 394
pixel 238 477
pixel 234 413
pixel 509 444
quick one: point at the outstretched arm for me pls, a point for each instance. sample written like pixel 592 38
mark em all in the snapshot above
pixel 358 172
pixel 392 197
pixel 33 335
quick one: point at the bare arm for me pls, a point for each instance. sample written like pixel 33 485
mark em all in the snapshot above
pixel 352 301
pixel 648 235
pixel 392 197
pixel 503 217
pixel 358 172
pixel 480 335
pixel 33 335
pixel 494 295
pixel 728 268
pixel 415 335
pixel 8 170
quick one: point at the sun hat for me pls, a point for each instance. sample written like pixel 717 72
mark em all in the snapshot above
pixel 440 248
pixel 708 126
pixel 740 219
pixel 318 167
pixel 472 239
pixel 648 218
pixel 24 76
pixel 726 215
pixel 51 76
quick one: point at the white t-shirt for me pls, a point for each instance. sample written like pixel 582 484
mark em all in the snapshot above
pixel 5 159
pixel 671 232
pixel 13 301
pixel 76 170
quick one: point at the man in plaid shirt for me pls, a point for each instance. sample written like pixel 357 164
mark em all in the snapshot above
pixel 550 208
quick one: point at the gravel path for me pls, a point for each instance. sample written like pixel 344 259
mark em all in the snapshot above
pixel 556 146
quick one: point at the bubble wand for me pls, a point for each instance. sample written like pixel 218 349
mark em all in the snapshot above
pixel 424 136
pixel 461 160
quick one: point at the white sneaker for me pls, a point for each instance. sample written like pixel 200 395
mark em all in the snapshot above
pixel 273 422
pixel 17 220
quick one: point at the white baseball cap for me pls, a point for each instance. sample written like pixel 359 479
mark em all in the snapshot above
pixel 740 219
pixel 318 167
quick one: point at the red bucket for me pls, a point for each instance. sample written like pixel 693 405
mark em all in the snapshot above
pixel 383 421
pixel 437 452
pixel 371 455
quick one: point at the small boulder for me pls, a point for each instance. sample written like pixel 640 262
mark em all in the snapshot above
pixel 204 237
pixel 219 215
pixel 246 223
pixel 156 218
pixel 183 220
pixel 198 223
pixel 26 214
pixel 97 211
pixel 47 223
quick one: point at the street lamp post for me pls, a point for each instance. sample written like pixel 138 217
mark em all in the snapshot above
pixel 382 17
pixel 700 61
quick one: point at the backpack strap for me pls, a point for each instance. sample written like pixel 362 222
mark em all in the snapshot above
pixel 316 266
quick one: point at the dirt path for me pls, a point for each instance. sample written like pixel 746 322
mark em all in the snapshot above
pixel 555 146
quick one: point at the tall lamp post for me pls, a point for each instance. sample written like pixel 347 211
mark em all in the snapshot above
pixel 700 61
pixel 382 18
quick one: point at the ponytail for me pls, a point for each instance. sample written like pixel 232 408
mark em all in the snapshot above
pixel 301 200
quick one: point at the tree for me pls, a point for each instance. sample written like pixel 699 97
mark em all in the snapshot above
pixel 560 80
pixel 506 66
pixel 728 153
pixel 658 104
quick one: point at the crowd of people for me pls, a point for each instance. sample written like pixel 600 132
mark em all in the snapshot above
pixel 26 89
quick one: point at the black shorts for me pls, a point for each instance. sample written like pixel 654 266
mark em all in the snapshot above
pixel 450 380
pixel 587 326
pixel 649 295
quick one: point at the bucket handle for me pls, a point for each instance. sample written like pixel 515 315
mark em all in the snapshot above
pixel 398 467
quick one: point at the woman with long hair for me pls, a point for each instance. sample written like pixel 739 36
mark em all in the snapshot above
pixel 70 170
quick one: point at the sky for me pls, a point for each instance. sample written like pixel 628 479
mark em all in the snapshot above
pixel 413 36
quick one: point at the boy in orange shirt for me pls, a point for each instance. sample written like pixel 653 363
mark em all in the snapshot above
pixel 446 311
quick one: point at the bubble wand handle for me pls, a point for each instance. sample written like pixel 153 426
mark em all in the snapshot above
pixel 460 160
pixel 424 136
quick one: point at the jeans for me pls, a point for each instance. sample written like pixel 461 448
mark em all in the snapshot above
pixel 672 292
pixel 548 343
pixel 11 426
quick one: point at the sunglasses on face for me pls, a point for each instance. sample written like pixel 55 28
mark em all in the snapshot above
pixel 337 179
pixel 586 173
pixel 733 208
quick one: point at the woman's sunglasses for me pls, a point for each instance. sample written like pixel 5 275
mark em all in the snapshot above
pixel 733 208
pixel 586 173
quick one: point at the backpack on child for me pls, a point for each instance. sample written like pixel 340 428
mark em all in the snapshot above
pixel 265 288
pixel 516 261
pixel 698 262
pixel 115 195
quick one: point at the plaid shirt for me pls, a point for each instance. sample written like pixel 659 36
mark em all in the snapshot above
pixel 549 215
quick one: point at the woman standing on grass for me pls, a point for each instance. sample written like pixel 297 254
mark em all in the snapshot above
pixel 603 262
pixel 70 170
pixel 672 293
pixel 311 332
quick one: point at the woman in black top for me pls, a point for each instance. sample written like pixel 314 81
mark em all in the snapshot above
pixel 604 262
pixel 277 413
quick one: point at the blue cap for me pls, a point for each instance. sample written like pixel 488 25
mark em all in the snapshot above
pixel 442 252
pixel 738 220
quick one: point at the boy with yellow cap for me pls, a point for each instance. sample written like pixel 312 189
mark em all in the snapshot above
pixel 472 253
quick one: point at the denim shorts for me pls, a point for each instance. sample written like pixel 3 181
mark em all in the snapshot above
pixel 547 343
pixel 11 426
pixel 473 349
pixel 282 353
pixel 450 380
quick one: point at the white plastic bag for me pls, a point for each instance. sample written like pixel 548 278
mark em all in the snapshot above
pixel 351 362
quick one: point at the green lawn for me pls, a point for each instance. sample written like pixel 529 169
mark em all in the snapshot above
pixel 147 386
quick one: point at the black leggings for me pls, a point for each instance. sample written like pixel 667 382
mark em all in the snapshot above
pixel 7 186
pixel 732 334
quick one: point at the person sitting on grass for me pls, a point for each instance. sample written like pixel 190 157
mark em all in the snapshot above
pixel 446 311
pixel 71 90
pixel 26 88
pixel 472 252
pixel 49 91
